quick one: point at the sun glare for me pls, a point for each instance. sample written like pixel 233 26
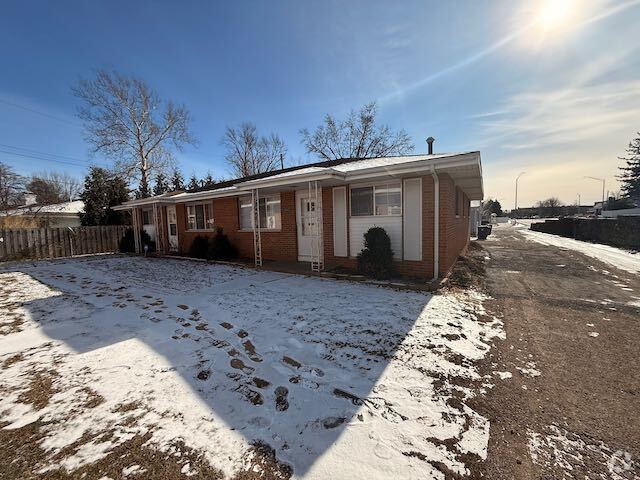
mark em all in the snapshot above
pixel 555 14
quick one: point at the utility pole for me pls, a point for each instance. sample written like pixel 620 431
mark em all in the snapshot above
pixel 281 161
pixel 517 178
pixel 600 180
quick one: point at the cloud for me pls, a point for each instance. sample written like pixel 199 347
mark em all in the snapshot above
pixel 550 118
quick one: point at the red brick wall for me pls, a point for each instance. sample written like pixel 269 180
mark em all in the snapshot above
pixel 454 229
pixel 282 245
pixel 276 245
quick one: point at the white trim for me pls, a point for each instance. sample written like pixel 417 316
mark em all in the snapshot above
pixel 374 185
pixel 340 244
pixel 436 224
pixel 412 222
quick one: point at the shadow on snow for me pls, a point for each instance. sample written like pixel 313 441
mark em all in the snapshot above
pixel 283 359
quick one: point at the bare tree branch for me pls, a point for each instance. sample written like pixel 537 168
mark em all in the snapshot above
pixel 356 137
pixel 126 120
pixel 248 154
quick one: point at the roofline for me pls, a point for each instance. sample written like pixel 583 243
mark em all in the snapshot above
pixel 326 173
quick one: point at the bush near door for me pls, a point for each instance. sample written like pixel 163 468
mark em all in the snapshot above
pixel 376 259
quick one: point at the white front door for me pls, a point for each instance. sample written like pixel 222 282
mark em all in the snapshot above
pixel 172 228
pixel 306 221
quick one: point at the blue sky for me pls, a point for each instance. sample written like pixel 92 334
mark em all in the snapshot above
pixel 556 98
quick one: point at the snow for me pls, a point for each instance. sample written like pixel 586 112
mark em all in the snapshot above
pixel 560 448
pixel 616 257
pixel 341 379
pixel 73 207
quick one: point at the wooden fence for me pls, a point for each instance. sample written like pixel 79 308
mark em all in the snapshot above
pixel 37 243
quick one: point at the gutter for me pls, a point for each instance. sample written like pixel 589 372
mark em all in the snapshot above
pixel 436 222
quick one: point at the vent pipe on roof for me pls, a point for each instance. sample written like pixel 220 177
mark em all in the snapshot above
pixel 430 141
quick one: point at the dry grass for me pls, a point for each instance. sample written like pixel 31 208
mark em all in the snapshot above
pixel 469 271
pixel 40 389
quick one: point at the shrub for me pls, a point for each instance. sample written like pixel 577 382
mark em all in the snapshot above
pixel 127 242
pixel 220 247
pixel 376 259
pixel 199 247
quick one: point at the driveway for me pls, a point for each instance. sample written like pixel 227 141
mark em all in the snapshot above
pixel 569 406
pixel 115 367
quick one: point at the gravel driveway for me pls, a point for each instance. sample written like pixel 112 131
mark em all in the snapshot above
pixel 571 408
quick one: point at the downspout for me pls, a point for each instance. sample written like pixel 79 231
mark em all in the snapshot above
pixel 436 223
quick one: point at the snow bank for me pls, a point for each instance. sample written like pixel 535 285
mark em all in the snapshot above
pixel 613 256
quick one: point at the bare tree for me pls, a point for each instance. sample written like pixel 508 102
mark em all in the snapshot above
pixel 54 187
pixel 11 187
pixel 549 207
pixel 356 137
pixel 126 120
pixel 248 153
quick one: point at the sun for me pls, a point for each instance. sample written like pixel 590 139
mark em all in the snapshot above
pixel 555 15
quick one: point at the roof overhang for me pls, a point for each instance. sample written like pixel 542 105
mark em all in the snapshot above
pixel 465 169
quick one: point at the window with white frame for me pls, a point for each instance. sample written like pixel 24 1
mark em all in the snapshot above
pixel 199 216
pixel 376 200
pixel 146 217
pixel 269 208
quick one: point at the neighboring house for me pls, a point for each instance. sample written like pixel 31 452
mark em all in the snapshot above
pixel 57 215
pixel 318 213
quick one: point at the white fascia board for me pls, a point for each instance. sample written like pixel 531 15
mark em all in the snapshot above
pixel 325 174
pixel 143 202
pixel 419 166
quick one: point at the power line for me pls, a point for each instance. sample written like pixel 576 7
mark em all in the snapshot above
pixel 44 158
pixel 29 150
pixel 38 112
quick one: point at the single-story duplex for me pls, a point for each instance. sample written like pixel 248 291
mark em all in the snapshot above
pixel 318 213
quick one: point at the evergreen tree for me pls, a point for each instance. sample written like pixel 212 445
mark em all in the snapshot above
pixel 207 181
pixel 103 190
pixel 176 182
pixel 144 190
pixel 161 186
pixel 630 177
pixel 193 183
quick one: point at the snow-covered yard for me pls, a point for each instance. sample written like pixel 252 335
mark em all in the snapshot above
pixel 341 380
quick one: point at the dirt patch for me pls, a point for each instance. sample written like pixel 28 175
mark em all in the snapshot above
pixel 183 307
pixel 93 398
pixel 282 403
pixel 204 375
pixel 127 407
pixel 21 447
pixel 251 395
pixel 261 463
pixel 13 321
pixel 40 389
pixel 226 325
pixel 251 351
pixel 18 357
pixel 260 383
pixel 291 362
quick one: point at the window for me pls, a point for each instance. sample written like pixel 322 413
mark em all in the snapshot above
pixel 377 200
pixel 457 202
pixel 269 209
pixel 146 217
pixel 199 217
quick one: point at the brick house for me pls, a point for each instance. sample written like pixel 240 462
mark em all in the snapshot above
pixel 318 213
